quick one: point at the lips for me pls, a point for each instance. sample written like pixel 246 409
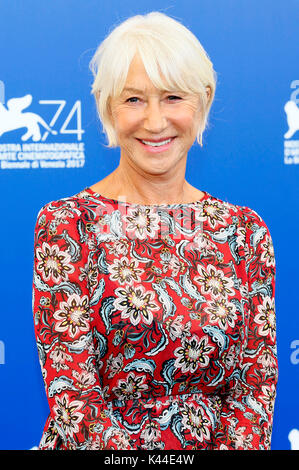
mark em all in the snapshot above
pixel 157 145
pixel 157 142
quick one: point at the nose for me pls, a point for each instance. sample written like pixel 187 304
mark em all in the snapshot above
pixel 155 120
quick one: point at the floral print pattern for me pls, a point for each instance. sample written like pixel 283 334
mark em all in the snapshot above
pixel 194 353
pixel 155 325
pixel 53 263
pixel 135 303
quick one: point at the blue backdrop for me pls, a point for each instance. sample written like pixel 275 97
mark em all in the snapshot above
pixel 250 157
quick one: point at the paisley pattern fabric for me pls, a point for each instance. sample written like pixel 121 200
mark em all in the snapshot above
pixel 155 325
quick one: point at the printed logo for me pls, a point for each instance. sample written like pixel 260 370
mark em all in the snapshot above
pixel 295 354
pixel 34 151
pixel 13 118
pixel 294 439
pixel 291 147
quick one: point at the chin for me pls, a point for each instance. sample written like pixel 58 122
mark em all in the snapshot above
pixel 158 171
pixel 155 164
pixel 159 164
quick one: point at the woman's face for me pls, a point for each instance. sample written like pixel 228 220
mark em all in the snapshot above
pixel 154 128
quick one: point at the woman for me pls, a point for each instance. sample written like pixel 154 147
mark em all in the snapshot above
pixel 154 301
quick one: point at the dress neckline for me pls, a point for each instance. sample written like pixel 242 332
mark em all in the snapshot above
pixel 205 196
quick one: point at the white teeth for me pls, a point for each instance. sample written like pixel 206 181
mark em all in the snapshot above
pixel 156 144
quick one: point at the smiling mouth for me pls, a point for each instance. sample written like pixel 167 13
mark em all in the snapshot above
pixel 157 143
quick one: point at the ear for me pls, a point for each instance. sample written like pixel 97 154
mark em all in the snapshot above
pixel 208 92
pixel 109 110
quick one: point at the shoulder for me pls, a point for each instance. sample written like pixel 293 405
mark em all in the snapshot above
pixel 248 223
pixel 67 207
pixel 65 215
pixel 246 215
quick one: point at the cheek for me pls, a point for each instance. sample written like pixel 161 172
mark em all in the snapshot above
pixel 126 122
pixel 187 121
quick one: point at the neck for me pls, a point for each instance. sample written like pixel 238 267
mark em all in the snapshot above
pixel 134 186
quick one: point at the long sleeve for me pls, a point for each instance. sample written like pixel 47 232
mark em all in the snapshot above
pixel 247 415
pixel 63 320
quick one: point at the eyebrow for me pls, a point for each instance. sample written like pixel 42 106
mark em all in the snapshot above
pixel 141 91
pixel 132 90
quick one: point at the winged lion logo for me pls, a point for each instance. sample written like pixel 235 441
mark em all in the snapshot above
pixel 13 117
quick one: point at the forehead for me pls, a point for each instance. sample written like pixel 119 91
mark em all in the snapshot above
pixel 138 79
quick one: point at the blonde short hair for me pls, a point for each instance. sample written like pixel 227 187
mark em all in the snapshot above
pixel 166 47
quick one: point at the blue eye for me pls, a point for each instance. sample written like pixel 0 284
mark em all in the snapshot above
pixel 174 97
pixel 130 100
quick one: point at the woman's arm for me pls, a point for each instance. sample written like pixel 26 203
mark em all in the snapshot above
pixel 247 415
pixel 63 320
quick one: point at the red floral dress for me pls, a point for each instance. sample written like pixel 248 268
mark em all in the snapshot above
pixel 155 325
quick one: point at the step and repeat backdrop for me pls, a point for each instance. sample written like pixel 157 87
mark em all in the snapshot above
pixel 52 146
